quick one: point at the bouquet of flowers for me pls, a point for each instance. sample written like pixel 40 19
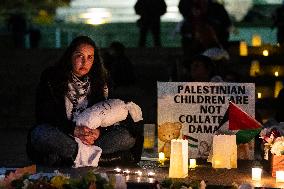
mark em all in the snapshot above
pixel 24 178
pixel 273 141
pixel 277 147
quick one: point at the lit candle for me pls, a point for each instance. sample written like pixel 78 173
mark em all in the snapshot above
pixel 149 136
pixel 192 163
pixel 139 173
pixel 254 68
pixel 265 53
pixel 243 48
pixel 151 180
pixel 277 88
pixel 224 151
pixel 151 174
pixel 259 95
pixel 118 170
pixel 126 171
pixel 138 179
pixel 161 157
pixel 179 159
pixel 127 177
pixel 256 174
pixel 279 176
pixel 256 40
pixel 276 74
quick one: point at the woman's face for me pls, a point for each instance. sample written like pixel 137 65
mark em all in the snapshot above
pixel 82 59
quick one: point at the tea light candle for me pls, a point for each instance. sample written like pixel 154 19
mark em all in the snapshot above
pixel 151 180
pixel 279 176
pixel 256 40
pixel 265 52
pixel 256 174
pixel 138 179
pixel 127 177
pixel 139 173
pixel 126 171
pixel 162 157
pixel 118 170
pixel 243 48
pixel 192 163
pixel 151 174
pixel 259 95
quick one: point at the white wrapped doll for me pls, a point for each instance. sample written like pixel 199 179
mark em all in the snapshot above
pixel 102 114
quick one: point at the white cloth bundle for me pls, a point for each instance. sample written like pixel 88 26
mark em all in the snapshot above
pixel 109 112
pixel 88 155
pixel 102 114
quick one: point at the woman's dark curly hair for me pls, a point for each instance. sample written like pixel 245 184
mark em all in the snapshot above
pixel 98 74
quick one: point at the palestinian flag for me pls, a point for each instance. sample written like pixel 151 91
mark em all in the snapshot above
pixel 239 120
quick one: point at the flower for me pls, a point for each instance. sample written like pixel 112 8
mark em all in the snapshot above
pixel 277 148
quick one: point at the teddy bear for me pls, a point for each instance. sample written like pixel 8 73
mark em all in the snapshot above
pixel 166 132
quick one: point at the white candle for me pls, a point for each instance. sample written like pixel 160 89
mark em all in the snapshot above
pixel 179 159
pixel 151 174
pixel 279 176
pixel 138 179
pixel 139 173
pixel 151 180
pixel 224 151
pixel 118 170
pixel 161 157
pixel 256 174
pixel 127 177
pixel 126 171
pixel 192 163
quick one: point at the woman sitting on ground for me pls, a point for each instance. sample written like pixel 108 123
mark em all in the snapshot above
pixel 78 81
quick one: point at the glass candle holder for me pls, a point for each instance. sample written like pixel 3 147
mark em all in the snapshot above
pixel 256 173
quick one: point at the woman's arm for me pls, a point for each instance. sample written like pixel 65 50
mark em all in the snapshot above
pixel 50 104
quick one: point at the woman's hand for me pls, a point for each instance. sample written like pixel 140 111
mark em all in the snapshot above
pixel 86 135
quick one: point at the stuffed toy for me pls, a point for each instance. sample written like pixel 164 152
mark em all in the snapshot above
pixel 166 132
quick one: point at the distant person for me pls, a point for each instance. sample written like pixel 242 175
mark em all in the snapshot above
pixel 203 69
pixel 17 25
pixel 278 18
pixel 150 12
pixel 120 67
pixel 194 16
pixel 219 20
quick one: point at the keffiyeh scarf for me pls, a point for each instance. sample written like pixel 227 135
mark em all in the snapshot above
pixel 76 98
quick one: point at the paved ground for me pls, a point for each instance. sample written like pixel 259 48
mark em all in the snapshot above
pixel 12 148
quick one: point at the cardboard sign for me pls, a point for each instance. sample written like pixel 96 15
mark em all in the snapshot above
pixel 193 111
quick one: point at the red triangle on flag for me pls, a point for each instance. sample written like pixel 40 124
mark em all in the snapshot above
pixel 240 120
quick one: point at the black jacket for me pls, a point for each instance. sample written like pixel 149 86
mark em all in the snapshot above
pixel 50 108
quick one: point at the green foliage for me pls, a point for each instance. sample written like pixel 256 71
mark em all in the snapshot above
pixel 31 6
pixel 85 181
pixel 170 183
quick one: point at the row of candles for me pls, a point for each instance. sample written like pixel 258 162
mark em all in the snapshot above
pixel 138 174
pixel 256 173
pixel 162 159
pixel 244 49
